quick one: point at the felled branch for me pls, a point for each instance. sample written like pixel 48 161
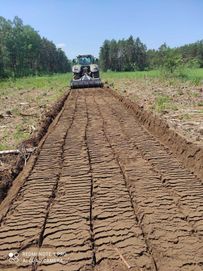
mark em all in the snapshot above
pixel 28 150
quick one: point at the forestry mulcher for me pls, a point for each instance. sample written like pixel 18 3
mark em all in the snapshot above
pixel 85 72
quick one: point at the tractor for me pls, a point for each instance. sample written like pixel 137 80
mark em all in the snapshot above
pixel 85 72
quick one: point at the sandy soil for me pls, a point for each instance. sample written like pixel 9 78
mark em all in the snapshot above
pixel 12 164
pixel 102 194
pixel 180 103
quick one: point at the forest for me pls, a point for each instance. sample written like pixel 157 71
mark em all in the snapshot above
pixel 24 52
pixel 132 55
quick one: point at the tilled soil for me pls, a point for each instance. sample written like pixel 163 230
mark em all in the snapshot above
pixel 12 164
pixel 104 195
pixel 182 109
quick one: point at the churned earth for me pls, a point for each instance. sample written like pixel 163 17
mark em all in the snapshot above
pixel 180 103
pixel 102 193
pixel 27 106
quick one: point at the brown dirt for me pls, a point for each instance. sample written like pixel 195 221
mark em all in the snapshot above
pixel 11 165
pixel 7 164
pixel 22 111
pixel 189 152
pixel 103 194
pixel 183 109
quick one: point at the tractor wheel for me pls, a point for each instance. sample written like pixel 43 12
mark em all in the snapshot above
pixel 95 74
pixel 76 76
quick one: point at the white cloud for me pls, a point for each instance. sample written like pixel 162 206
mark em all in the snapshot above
pixel 61 45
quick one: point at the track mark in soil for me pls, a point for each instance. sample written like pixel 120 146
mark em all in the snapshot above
pixel 104 195
pixel 168 218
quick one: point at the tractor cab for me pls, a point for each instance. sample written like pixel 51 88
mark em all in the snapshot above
pixel 85 60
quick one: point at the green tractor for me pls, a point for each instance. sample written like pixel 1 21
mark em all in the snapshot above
pixel 85 72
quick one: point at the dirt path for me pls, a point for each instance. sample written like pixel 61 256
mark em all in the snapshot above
pixel 103 195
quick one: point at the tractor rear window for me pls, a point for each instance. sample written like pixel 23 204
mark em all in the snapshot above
pixel 85 60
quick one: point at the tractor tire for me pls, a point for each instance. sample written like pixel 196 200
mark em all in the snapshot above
pixel 76 76
pixel 95 74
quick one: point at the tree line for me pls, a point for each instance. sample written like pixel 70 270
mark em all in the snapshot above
pixel 123 55
pixel 131 54
pixel 24 52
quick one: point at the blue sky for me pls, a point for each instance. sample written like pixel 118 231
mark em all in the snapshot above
pixel 81 26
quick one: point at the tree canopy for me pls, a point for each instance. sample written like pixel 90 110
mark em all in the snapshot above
pixel 131 54
pixel 123 55
pixel 24 52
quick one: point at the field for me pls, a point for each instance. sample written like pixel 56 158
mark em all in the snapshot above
pixel 179 100
pixel 25 100
pixel 104 190
pixel 23 103
pixel 194 75
pixel 102 193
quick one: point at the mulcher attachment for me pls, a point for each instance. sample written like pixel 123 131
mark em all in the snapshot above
pixel 86 82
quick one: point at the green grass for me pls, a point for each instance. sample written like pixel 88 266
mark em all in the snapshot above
pixel 194 75
pixel 57 81
pixel 185 117
pixel 164 102
pixel 3 147
pixel 19 134
pixel 129 75
pixel 35 82
pixel 200 104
